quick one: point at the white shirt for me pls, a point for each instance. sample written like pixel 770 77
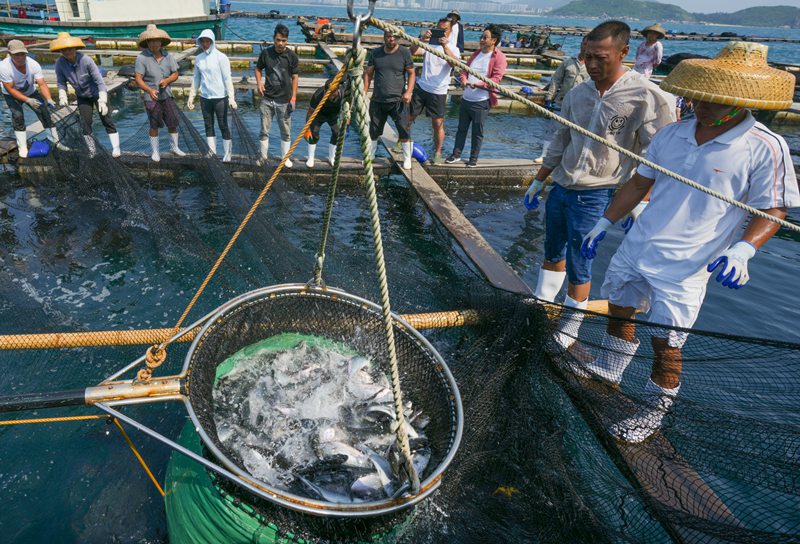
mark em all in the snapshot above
pixel 24 83
pixel 453 39
pixel 683 229
pixel 628 114
pixel 481 65
pixel 435 77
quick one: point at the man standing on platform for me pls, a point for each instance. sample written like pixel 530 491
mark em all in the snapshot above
pixel 430 92
pixel 457 33
pixel 621 106
pixel 392 69
pixel 277 76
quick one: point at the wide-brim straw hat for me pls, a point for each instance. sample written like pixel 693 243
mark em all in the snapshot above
pixel 152 32
pixel 65 41
pixel 739 76
pixel 657 28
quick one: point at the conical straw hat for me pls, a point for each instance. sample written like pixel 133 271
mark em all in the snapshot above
pixel 739 76
pixel 65 41
pixel 654 28
pixel 153 33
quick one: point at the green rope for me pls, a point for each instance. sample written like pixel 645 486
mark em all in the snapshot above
pixel 397 31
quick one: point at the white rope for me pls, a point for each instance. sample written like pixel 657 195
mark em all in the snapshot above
pixel 397 31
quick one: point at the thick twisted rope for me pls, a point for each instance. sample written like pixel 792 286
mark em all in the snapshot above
pixel 360 103
pixel 397 31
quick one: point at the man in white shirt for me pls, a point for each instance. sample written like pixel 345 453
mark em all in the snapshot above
pixel 430 91
pixel 684 235
pixel 621 106
pixel 21 76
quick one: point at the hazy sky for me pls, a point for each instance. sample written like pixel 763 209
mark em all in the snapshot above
pixel 708 6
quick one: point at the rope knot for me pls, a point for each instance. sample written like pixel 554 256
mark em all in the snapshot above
pixel 153 358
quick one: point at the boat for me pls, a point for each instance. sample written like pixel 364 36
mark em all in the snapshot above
pixel 111 18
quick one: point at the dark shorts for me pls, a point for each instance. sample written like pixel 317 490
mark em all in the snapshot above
pixel 434 105
pixel 162 112
pixel 380 111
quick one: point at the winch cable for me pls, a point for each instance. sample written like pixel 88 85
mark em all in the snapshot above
pixel 397 31
pixel 355 66
pixel 156 354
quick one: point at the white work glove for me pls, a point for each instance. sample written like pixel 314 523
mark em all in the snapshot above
pixel 102 103
pixel 590 241
pixel 231 95
pixel 33 103
pixel 531 199
pixel 192 96
pixel 630 219
pixel 733 261
pixel 62 98
pixel 50 103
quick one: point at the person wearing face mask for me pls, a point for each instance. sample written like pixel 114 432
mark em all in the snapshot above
pixel 489 61
pixel 212 79
pixel 81 72
pixel 619 105
pixel 685 236
pixel 23 83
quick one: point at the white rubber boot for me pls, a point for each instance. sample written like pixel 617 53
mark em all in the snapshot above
pixel 22 143
pixel 331 154
pixel 212 146
pixel 284 151
pixel 312 150
pixel 156 156
pixel 227 150
pixel 89 139
pixel 407 147
pixel 53 137
pixel 569 325
pixel 656 401
pixel 264 156
pixel 615 356
pixel 114 139
pixel 173 144
pixel 548 284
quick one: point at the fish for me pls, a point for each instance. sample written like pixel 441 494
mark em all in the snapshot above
pixel 384 471
pixel 325 494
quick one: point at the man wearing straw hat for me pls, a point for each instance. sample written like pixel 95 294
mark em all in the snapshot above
pixel 20 77
pixel 621 106
pixel 156 69
pixel 81 72
pixel 684 235
pixel 650 51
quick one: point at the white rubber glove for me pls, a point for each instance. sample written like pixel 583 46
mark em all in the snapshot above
pixel 531 199
pixel 733 261
pixel 62 98
pixel 631 218
pixel 590 241
pixel 102 103
pixel 192 96
pixel 32 102
pixel 231 95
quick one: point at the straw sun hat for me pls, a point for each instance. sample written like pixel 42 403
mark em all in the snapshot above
pixel 153 33
pixel 65 41
pixel 657 28
pixel 739 76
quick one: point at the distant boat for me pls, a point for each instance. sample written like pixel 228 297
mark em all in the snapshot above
pixel 112 18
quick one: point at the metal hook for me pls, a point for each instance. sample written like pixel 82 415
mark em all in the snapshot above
pixel 359 20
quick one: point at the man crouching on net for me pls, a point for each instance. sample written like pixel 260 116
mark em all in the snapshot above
pixel 685 235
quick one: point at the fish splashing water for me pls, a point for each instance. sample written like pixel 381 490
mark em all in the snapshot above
pixel 313 421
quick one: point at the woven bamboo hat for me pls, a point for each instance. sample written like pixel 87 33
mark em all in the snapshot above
pixel 153 33
pixel 657 28
pixel 739 76
pixel 65 41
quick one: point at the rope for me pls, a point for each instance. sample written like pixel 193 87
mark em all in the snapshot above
pixel 332 88
pixel 397 31
pixel 139 457
pixel 49 420
pixel 356 72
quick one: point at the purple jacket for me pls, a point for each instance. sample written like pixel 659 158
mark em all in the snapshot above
pixel 497 68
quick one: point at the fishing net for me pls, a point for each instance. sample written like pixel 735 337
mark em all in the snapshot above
pixel 536 462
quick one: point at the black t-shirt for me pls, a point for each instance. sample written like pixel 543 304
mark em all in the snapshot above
pixel 332 105
pixel 277 70
pixel 389 79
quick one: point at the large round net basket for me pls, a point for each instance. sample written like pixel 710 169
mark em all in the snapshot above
pixel 341 317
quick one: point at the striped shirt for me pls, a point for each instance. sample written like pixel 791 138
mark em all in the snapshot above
pixel 683 229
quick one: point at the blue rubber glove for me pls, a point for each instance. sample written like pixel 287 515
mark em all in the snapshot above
pixel 631 218
pixel 733 261
pixel 590 241
pixel 531 199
